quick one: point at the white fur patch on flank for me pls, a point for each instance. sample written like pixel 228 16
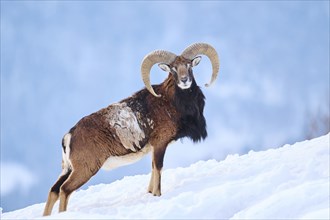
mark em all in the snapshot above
pixel 116 161
pixel 123 120
pixel 66 155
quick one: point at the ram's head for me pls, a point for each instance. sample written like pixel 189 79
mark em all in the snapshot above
pixel 180 66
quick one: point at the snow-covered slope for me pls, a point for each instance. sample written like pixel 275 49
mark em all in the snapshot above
pixel 288 182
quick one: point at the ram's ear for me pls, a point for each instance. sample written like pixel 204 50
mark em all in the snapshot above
pixel 196 61
pixel 164 67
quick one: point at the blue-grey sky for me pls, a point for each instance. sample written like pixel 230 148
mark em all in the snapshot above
pixel 63 60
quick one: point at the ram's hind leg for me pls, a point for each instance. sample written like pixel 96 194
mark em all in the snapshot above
pixel 77 178
pixel 54 193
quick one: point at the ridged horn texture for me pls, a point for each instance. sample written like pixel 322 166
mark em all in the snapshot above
pixel 202 48
pixel 158 56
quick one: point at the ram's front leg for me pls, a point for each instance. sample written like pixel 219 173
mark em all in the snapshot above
pixel 151 182
pixel 157 165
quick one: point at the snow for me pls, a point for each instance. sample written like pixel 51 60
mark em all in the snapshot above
pixel 290 182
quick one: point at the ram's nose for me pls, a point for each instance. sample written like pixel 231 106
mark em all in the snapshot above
pixel 184 79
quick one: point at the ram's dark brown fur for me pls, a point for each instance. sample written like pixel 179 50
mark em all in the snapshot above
pixel 125 131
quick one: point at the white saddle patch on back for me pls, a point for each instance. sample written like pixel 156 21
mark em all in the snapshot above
pixel 123 120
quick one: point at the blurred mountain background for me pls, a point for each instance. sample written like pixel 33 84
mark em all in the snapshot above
pixel 62 60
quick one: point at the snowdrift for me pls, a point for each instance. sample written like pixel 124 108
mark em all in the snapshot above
pixel 290 182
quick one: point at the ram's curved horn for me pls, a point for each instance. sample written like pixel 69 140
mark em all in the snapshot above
pixel 158 56
pixel 202 48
